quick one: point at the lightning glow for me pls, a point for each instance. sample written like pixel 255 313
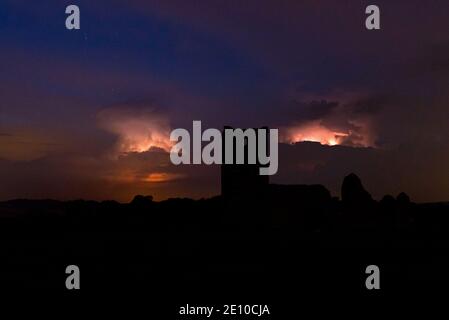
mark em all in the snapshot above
pixel 314 132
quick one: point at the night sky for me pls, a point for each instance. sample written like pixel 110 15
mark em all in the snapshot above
pixel 88 113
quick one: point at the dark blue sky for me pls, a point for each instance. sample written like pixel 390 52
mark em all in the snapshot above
pixel 72 101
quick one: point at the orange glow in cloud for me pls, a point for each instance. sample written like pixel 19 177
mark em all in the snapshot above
pixel 137 130
pixel 141 137
pixel 314 132
pixel 161 177
pixel 127 175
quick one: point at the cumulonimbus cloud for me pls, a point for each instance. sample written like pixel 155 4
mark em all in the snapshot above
pixel 336 119
pixel 137 129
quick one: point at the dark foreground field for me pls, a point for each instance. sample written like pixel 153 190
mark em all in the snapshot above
pixel 271 247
